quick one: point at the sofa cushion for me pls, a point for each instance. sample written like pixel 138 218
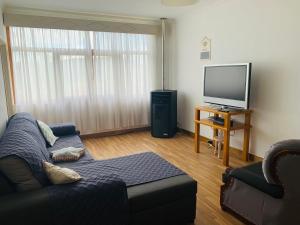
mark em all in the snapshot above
pixel 19 174
pixel 71 141
pixel 67 141
pixel 5 186
pixel 20 144
pixel 63 129
pixel 253 176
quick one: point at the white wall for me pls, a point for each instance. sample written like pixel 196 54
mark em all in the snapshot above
pixel 266 33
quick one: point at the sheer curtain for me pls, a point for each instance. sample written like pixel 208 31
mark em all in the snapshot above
pixel 99 80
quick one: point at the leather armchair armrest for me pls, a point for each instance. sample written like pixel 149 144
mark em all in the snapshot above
pixel 25 208
pixel 288 173
pixel 281 163
pixel 64 129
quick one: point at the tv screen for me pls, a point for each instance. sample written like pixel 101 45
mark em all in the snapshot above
pixel 227 84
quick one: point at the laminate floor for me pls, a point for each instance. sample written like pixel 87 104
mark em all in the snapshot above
pixel 203 167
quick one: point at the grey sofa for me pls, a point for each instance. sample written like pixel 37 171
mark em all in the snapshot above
pixel 266 193
pixel 167 201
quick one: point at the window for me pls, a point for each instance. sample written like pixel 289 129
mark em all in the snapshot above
pixel 93 75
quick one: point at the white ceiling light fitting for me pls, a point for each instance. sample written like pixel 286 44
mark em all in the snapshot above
pixel 178 2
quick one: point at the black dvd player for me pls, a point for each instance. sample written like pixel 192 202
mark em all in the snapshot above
pixel 219 120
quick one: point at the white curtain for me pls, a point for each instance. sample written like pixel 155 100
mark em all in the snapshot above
pixel 99 80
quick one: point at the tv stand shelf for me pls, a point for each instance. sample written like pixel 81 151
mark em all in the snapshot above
pixel 227 115
pixel 236 125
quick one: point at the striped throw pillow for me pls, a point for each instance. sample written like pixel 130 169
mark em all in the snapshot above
pixel 67 154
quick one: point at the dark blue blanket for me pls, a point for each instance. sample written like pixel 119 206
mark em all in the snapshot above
pixel 134 169
pixel 97 199
pixel 22 138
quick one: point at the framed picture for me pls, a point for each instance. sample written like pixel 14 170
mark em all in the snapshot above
pixel 205 49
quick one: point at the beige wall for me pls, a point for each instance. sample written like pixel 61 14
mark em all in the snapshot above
pixel 2 32
pixel 3 108
pixel 266 33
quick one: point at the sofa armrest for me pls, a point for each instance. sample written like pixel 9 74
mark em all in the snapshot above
pixel 64 129
pixel 25 208
pixel 282 163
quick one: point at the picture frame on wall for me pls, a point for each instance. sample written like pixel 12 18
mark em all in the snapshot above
pixel 205 49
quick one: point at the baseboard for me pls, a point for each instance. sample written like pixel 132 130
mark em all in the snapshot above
pixel 115 132
pixel 233 150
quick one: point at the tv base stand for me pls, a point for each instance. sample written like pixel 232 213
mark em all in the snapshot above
pixel 226 128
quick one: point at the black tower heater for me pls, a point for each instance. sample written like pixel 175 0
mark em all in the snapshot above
pixel 163 113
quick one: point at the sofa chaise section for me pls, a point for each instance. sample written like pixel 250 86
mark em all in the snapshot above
pixel 168 201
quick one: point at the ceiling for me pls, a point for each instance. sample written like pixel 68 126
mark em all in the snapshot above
pixel 144 8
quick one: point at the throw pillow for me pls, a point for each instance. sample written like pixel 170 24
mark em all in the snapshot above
pixel 59 175
pixel 67 154
pixel 47 133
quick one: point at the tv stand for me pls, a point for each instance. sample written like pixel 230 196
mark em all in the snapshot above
pixel 224 108
pixel 226 128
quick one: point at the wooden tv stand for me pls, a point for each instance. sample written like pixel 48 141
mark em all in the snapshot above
pixel 226 128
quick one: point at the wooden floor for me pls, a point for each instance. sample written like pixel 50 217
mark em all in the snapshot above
pixel 203 167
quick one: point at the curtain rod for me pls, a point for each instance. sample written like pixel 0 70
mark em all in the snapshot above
pixel 81 15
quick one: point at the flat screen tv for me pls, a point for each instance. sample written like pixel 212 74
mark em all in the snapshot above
pixel 227 85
